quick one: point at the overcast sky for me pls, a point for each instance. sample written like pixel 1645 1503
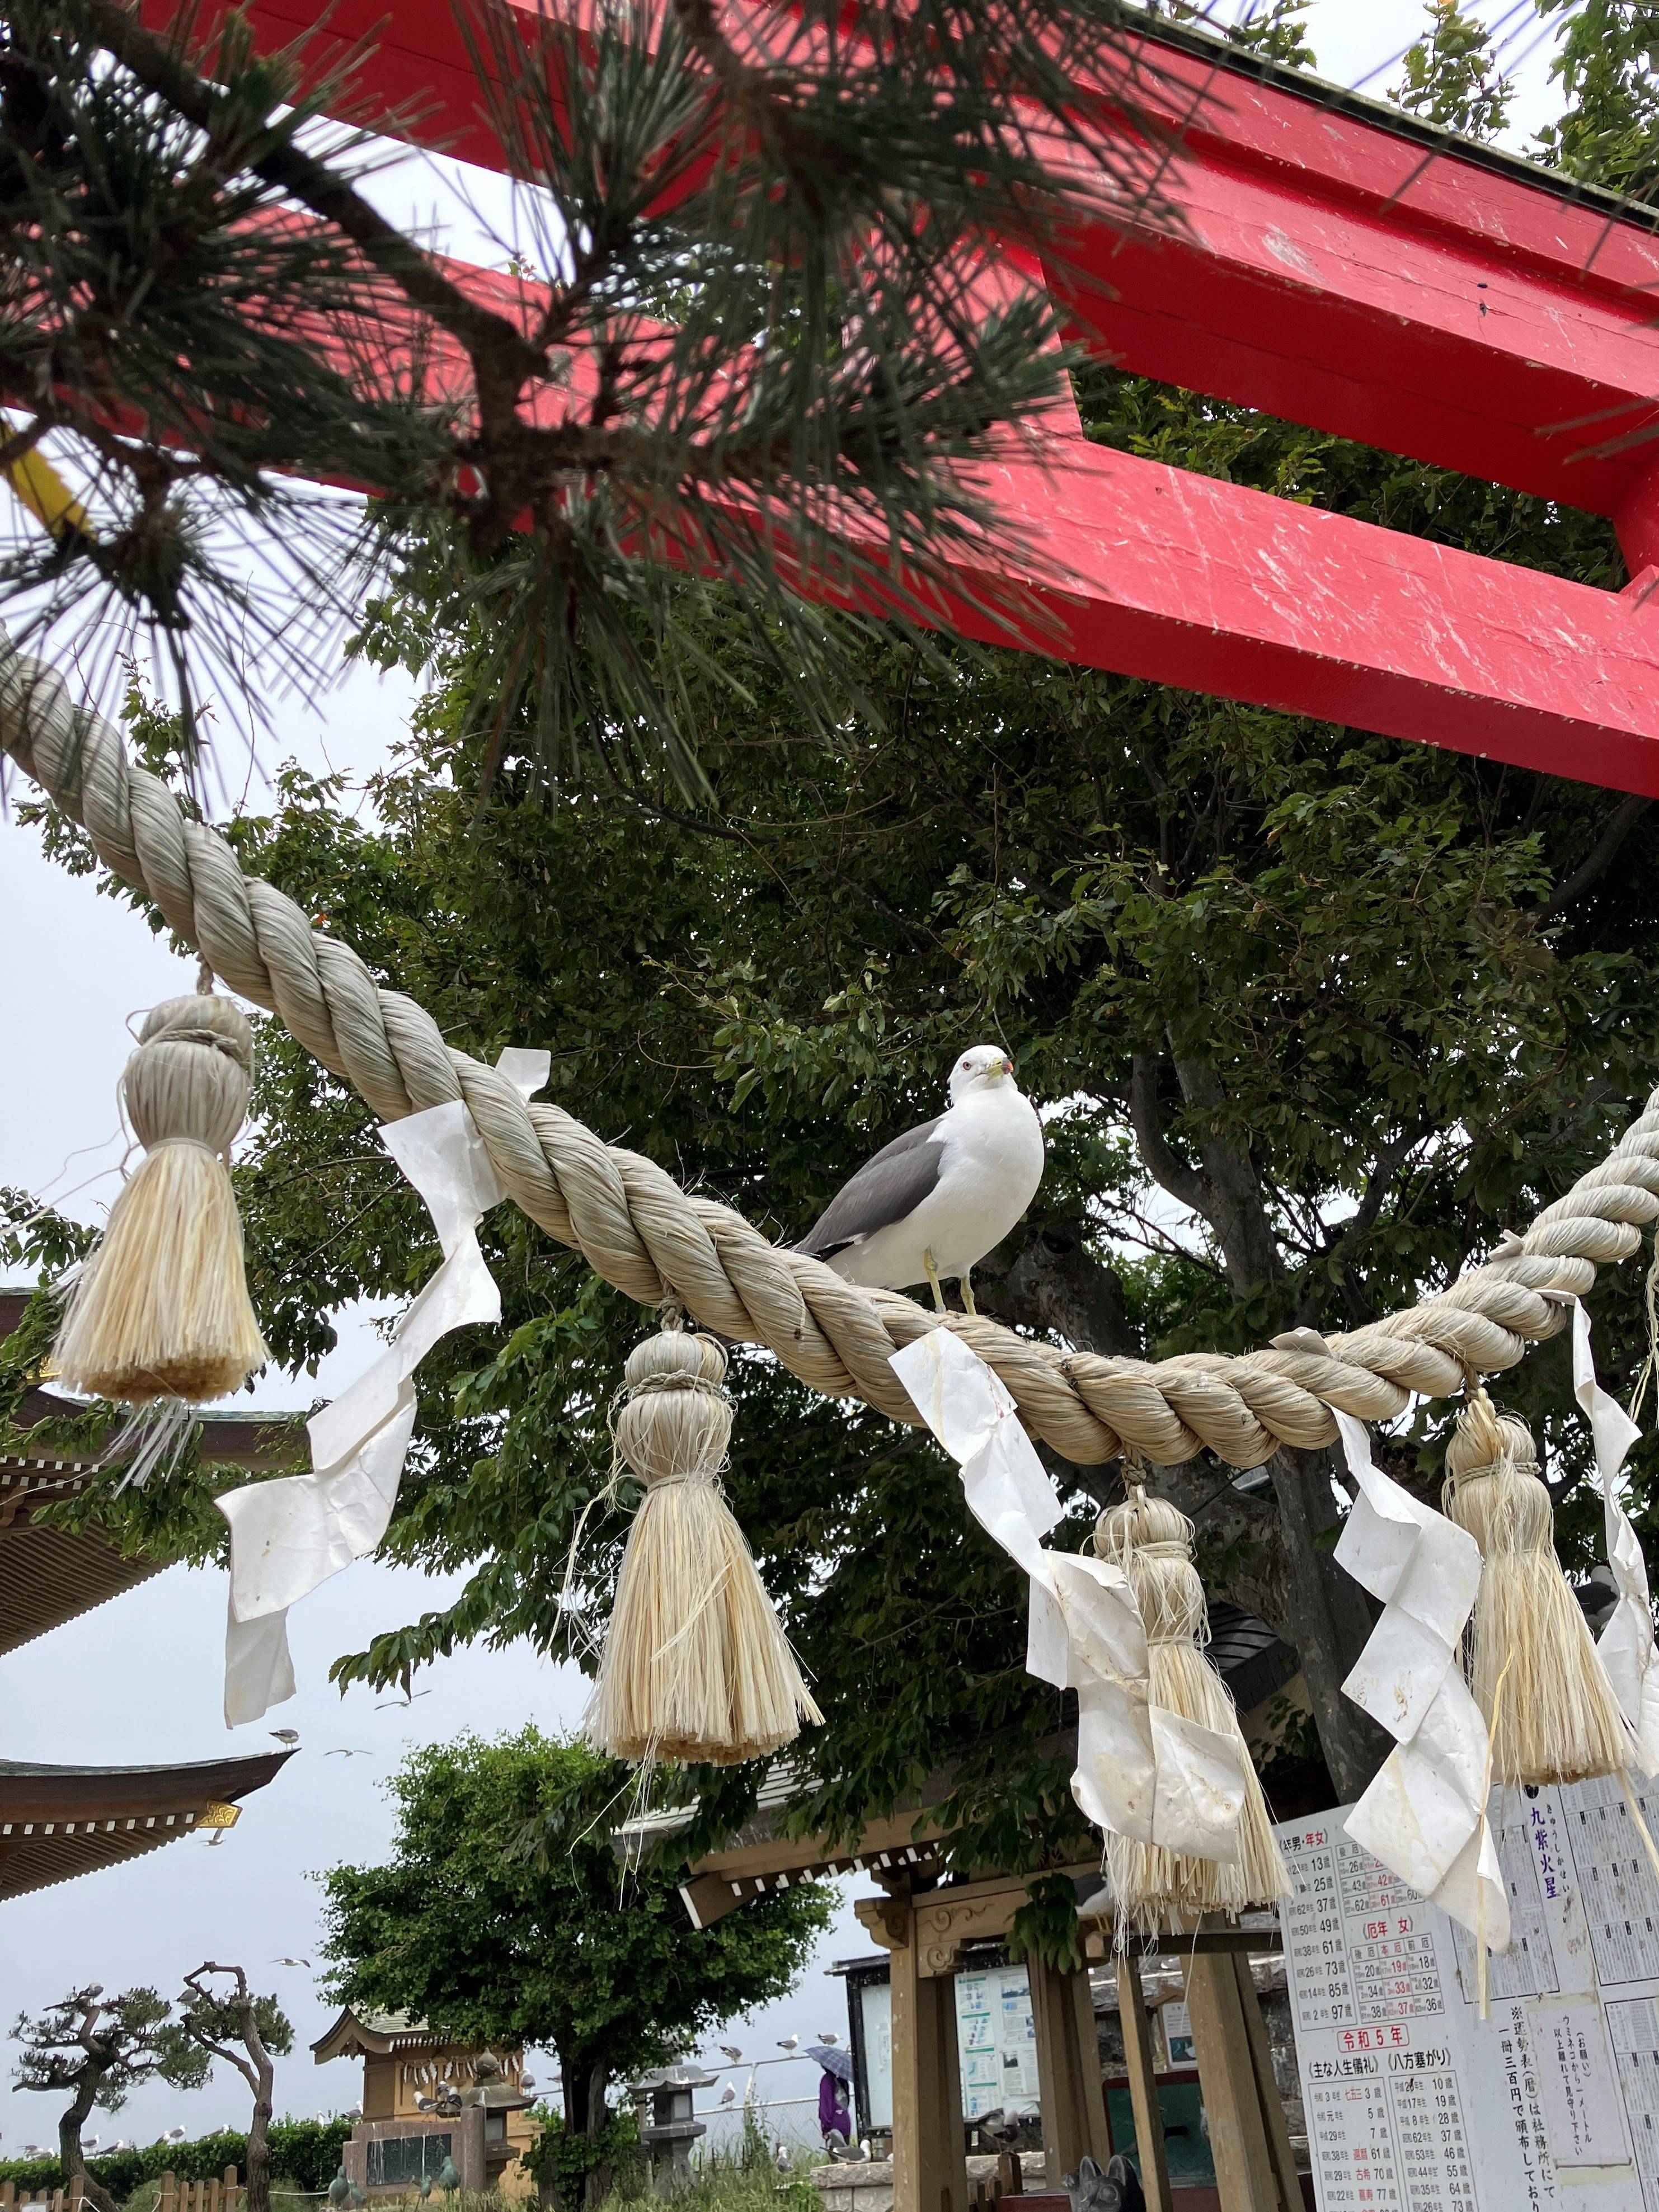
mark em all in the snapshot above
pixel 139 1680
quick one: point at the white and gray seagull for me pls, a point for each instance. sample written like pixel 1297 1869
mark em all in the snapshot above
pixel 931 1204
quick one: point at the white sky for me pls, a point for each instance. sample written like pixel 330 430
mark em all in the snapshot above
pixel 139 1681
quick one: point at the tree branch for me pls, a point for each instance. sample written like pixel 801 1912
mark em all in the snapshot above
pixel 501 355
pixel 1167 1168
pixel 1595 864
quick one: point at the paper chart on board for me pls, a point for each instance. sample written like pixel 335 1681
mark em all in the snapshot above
pixel 1414 2103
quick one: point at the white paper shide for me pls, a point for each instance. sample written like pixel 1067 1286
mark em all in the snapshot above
pixel 1143 1772
pixel 288 1536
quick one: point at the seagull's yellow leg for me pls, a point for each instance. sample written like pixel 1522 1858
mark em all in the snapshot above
pixel 932 1277
pixel 966 1287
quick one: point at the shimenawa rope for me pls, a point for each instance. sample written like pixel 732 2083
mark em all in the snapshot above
pixel 656 1243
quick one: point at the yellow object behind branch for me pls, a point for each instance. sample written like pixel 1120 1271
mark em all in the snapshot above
pixel 46 494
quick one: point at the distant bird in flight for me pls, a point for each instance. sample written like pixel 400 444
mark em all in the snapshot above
pixel 932 1204
pixel 340 1752
pixel 387 1703
pixel 290 1962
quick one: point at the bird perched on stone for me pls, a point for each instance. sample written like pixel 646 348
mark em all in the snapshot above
pixel 931 1204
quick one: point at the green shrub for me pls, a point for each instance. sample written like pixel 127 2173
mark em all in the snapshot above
pixel 304 2154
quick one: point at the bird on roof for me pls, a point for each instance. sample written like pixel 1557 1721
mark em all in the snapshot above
pixel 931 1204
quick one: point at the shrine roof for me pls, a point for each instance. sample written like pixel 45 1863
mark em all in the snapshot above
pixel 57 1822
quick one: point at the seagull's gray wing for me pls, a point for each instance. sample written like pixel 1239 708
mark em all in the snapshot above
pixel 885 1190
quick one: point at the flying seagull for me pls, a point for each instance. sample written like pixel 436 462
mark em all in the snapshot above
pixel 933 1202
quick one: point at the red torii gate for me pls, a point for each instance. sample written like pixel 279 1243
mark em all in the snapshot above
pixel 1346 269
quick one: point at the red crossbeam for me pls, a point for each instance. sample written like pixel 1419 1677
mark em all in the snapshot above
pixel 1334 270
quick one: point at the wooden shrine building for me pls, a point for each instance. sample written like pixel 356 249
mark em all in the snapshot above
pixel 930 1923
pixel 428 2098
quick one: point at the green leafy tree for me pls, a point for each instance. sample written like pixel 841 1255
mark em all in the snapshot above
pixel 1608 64
pixel 247 2032
pixel 1450 76
pixel 99 2053
pixel 504 1916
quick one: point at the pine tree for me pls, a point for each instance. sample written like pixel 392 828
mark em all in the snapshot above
pixel 773 324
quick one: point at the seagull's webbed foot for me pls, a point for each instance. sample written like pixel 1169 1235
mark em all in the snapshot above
pixel 965 1285
pixel 933 1278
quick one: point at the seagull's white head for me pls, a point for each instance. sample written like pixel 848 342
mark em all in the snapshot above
pixel 982 1067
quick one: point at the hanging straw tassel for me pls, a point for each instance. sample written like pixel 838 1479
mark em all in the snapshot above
pixel 161 1308
pixel 1155 1889
pixel 695 1665
pixel 1554 1718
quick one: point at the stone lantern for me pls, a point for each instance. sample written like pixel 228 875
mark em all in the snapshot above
pixel 668 2135
pixel 492 2090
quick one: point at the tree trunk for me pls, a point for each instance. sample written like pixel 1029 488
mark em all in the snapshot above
pixel 599 2176
pixel 583 2079
pixel 1331 1615
pixel 78 2182
pixel 258 2142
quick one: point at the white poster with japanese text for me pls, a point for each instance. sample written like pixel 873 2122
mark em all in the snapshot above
pixel 1413 2102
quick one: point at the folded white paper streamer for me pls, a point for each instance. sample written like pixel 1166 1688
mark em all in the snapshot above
pixel 288 1537
pixel 1425 1816
pixel 1142 1771
pixel 1626 1643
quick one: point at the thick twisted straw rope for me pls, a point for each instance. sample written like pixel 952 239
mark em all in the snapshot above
pixel 635 1226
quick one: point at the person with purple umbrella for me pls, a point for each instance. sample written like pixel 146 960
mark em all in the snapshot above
pixel 835 2094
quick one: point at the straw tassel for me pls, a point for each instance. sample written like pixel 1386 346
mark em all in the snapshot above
pixel 161 1308
pixel 695 1665
pixel 1535 1672
pixel 1157 1889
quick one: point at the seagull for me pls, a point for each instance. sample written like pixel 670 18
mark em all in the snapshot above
pixel 827 2035
pixel 386 1705
pixel 789 2042
pixel 340 1752
pixel 731 2052
pixel 933 1202
pixel 174 2134
pixel 284 1736
pixel 290 1962
pixel 728 2095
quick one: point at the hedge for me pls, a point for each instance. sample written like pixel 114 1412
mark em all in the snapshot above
pixel 304 2153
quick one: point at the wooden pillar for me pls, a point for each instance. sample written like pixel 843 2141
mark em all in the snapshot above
pixel 1246 2173
pixel 1068 2069
pixel 930 2164
pixel 1267 2089
pixel 1138 2064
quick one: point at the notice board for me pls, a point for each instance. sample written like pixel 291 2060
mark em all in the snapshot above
pixel 1413 2102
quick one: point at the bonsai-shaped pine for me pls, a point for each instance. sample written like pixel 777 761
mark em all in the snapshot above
pixel 99 2052
pixel 247 2032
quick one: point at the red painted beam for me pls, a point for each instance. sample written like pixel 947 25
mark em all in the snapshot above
pixel 1339 274
pixel 1191 581
pixel 1186 581
pixel 1333 270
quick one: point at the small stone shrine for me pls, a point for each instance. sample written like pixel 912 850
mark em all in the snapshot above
pixel 427 2099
